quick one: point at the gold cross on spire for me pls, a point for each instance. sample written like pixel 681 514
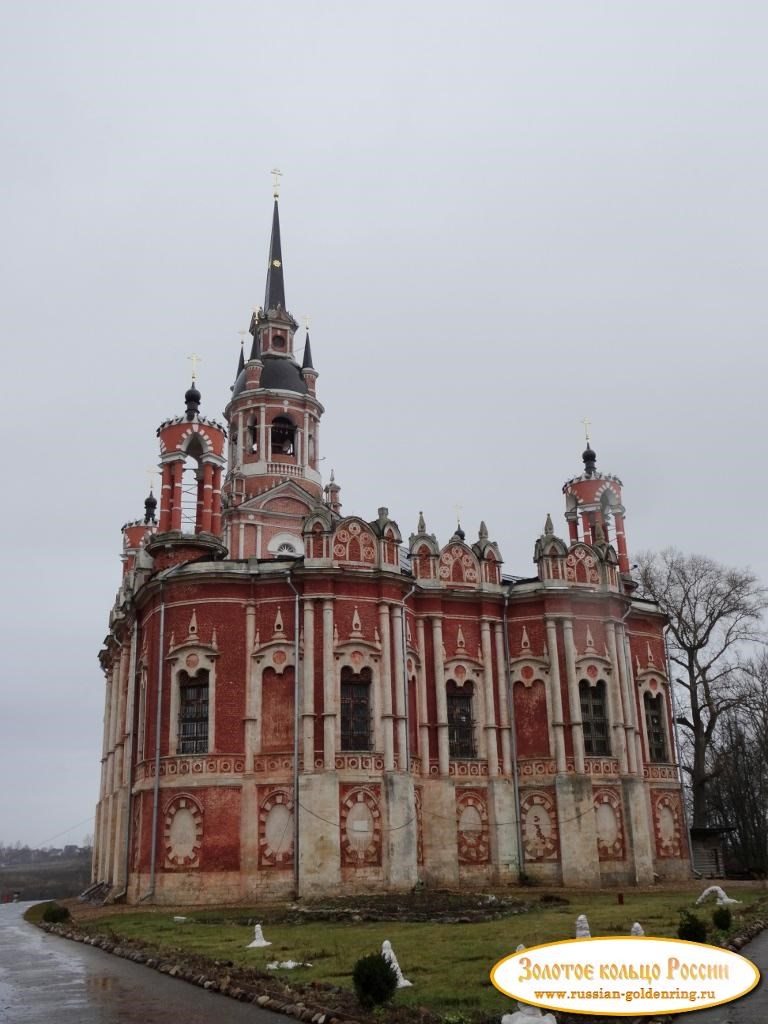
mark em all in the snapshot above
pixel 276 175
pixel 151 474
pixel 194 359
pixel 307 321
pixel 243 335
pixel 587 424
pixel 458 509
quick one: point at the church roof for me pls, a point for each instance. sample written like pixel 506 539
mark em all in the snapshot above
pixel 279 374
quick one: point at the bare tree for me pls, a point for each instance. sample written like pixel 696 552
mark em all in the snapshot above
pixel 738 788
pixel 715 616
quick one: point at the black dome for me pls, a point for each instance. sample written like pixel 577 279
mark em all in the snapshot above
pixel 279 373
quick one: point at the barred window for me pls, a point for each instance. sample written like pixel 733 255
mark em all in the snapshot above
pixel 654 726
pixel 355 709
pixel 594 718
pixel 461 728
pixel 193 713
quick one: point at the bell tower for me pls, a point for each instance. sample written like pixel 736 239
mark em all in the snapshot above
pixel 274 429
pixel 594 509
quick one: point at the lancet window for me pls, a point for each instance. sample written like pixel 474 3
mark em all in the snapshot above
pixel 355 709
pixel 654 727
pixel 461 728
pixel 193 713
pixel 594 718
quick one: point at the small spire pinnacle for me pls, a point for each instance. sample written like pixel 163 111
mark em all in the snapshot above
pixel 275 291
pixel 241 360
pixel 306 363
pixel 549 526
pixel 483 532
pixel 422 527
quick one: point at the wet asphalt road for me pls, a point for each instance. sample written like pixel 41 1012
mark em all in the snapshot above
pixel 753 1008
pixel 48 980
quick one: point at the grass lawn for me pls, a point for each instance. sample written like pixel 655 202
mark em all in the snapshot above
pixel 448 964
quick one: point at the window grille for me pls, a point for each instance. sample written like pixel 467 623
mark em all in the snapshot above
pixel 355 709
pixel 594 718
pixel 654 726
pixel 193 718
pixel 461 728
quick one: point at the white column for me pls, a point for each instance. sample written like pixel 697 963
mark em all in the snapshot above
pixel 305 444
pixel 421 680
pixel 491 744
pixel 263 453
pixel 329 689
pixel 252 743
pixel 308 715
pixel 577 730
pixel 400 696
pixel 619 733
pixel 386 688
pixel 502 683
pixel 556 710
pixel 443 752
pixel 631 688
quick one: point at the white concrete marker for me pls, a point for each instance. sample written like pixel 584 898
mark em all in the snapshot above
pixel 258 939
pixel 582 927
pixel 636 929
pixel 525 1013
pixel 389 954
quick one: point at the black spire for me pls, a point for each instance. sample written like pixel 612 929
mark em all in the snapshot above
pixel 150 504
pixel 275 294
pixel 240 361
pixel 306 363
pixel 589 458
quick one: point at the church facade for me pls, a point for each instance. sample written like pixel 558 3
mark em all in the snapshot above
pixel 301 702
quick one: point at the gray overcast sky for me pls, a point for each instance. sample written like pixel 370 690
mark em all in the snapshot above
pixel 502 217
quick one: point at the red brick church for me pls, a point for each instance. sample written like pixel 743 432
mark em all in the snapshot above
pixel 298 701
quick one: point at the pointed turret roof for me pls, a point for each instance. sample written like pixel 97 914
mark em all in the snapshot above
pixel 240 361
pixel 306 363
pixel 275 293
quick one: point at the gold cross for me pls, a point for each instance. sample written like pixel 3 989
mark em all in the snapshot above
pixel 242 336
pixel 587 424
pixel 307 321
pixel 151 474
pixel 194 359
pixel 277 175
pixel 458 509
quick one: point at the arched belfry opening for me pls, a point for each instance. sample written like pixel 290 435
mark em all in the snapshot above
pixel 283 437
pixel 192 485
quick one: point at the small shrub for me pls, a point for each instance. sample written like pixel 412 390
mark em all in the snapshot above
pixel 691 928
pixel 721 918
pixel 374 979
pixel 55 914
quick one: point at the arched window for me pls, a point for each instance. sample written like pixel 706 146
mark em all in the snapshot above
pixel 193 713
pixel 654 726
pixel 283 436
pixel 594 718
pixel 461 728
pixel 355 709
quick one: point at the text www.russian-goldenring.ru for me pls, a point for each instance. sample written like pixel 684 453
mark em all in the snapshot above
pixel 689 995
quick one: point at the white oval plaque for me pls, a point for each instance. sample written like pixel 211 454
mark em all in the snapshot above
pixel 625 976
